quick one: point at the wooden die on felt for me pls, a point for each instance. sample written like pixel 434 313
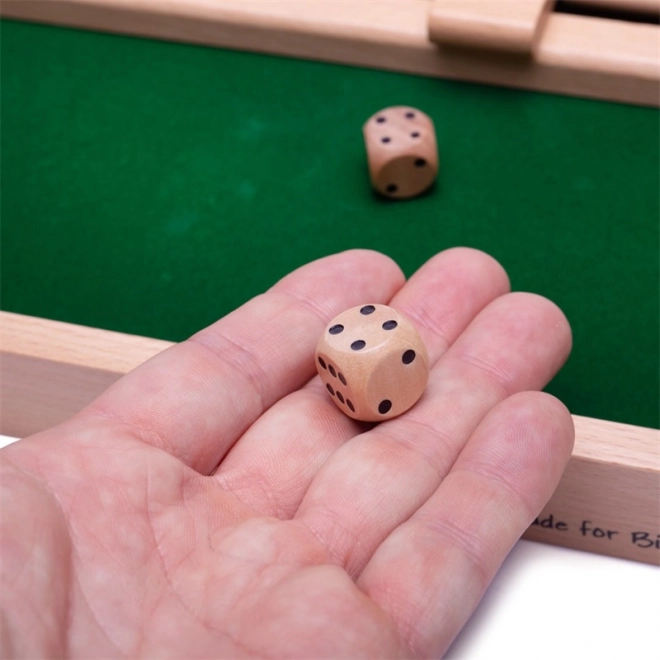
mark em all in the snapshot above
pixel 401 151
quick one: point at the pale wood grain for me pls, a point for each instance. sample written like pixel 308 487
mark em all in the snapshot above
pixel 50 370
pixel 611 487
pixel 575 55
pixel 513 26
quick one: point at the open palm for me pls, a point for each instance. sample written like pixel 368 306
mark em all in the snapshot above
pixel 216 503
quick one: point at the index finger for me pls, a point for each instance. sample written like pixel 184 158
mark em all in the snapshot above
pixel 195 399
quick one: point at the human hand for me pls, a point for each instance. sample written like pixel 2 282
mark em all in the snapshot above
pixel 216 503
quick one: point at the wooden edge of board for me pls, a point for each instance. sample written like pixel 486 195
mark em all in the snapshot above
pixel 606 502
pixel 510 25
pixel 75 345
pixel 575 55
pixel 50 370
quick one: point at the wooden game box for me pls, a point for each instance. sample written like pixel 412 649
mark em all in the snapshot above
pixel 608 499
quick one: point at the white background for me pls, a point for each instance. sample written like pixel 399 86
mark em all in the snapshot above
pixel 551 603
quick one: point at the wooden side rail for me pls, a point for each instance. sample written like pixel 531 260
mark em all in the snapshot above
pixel 577 55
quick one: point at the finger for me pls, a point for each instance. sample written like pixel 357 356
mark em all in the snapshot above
pixel 378 480
pixel 305 428
pixel 194 399
pixel 431 572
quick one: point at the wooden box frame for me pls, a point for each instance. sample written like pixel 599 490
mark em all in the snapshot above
pixel 609 498
pixel 607 501
pixel 577 55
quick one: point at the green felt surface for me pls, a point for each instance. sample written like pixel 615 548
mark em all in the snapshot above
pixel 151 188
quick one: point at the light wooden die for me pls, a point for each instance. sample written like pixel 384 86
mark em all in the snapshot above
pixel 402 151
pixel 373 362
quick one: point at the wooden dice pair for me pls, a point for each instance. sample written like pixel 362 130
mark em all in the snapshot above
pixel 401 151
pixel 372 362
